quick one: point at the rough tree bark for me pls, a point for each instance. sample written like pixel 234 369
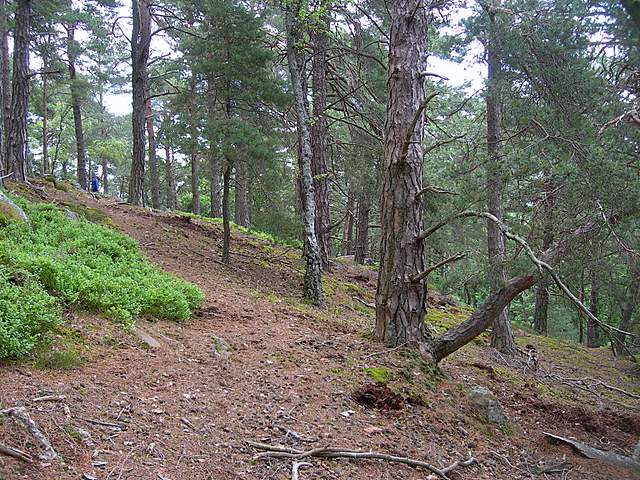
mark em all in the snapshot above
pixel 18 140
pixel 214 181
pixel 76 106
pixel 45 121
pixel 153 158
pixel 140 41
pixel 319 132
pixel 241 214
pixel 502 335
pixel 5 91
pixel 313 263
pixel 400 301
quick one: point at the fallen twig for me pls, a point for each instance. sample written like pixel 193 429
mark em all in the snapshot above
pixel 50 398
pixel 104 424
pixel 370 305
pixel 384 352
pixel 15 453
pixel 276 451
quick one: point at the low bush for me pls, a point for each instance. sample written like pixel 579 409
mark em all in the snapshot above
pixel 58 262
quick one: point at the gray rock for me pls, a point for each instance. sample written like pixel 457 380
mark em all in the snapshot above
pixel 487 404
pixel 70 214
pixel 10 212
pixel 147 339
pixel 220 346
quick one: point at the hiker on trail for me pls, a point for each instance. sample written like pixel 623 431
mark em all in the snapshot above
pixel 95 184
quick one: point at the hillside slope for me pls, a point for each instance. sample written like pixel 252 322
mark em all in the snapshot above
pixel 298 376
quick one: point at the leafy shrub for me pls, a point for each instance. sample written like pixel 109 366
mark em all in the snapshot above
pixel 60 262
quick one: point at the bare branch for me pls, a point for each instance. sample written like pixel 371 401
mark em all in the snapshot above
pixel 412 126
pixel 424 274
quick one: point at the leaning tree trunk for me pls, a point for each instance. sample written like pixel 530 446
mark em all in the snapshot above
pixel 319 132
pixel 400 301
pixel 140 41
pixel 313 263
pixel 153 159
pixel 502 335
pixel 18 139
pixel 76 101
pixel 242 195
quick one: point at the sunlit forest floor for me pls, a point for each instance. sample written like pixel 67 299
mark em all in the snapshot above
pixel 297 376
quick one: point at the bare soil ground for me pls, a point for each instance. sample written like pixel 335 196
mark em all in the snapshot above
pixel 183 411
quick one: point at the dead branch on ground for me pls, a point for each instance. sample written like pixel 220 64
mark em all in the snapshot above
pixel 275 451
pixel 20 415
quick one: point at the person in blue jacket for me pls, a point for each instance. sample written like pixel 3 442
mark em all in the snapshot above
pixel 95 183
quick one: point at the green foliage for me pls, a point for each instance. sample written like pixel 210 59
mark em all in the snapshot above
pixel 379 374
pixel 59 262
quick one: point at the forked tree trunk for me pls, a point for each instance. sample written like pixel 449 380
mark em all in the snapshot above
pixel 153 158
pixel 18 139
pixel 502 335
pixel 319 132
pixel 399 300
pixel 241 214
pixel 313 263
pixel 140 41
pixel 76 101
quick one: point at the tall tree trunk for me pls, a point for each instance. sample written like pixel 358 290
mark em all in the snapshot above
pixel 581 297
pixel 153 158
pixel 347 233
pixel 319 132
pixel 45 125
pixel 502 335
pixel 632 295
pixel 170 174
pixel 18 140
pixel 76 100
pixel 399 300
pixel 313 263
pixel 195 166
pixel 542 292
pixel 214 181
pixel 242 195
pixel 362 234
pixel 140 41
pixel 226 237
pixel 592 328
pixel 5 92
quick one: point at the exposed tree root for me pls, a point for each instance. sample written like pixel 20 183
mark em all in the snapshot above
pixel 275 451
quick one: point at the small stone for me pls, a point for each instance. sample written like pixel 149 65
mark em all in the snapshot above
pixel 487 404
pixel 86 476
pixel 220 346
pixel 347 413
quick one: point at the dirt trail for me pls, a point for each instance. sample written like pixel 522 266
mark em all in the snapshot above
pixel 182 411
